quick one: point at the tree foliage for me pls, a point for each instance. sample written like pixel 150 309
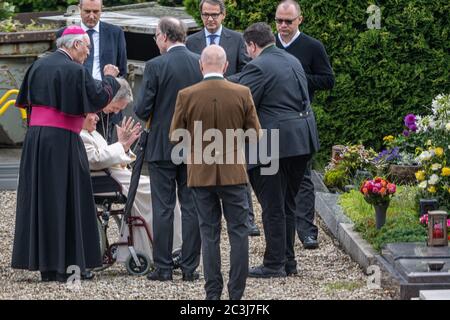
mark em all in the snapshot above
pixel 381 74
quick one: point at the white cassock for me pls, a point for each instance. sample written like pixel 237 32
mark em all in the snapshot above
pixel 113 157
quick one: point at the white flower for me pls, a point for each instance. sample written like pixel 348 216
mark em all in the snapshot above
pixel 425 156
pixel 434 179
pixel 423 184
pixel 436 166
pixel 447 126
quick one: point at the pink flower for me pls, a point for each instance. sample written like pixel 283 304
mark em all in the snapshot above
pixel 377 191
pixel 424 219
pixel 391 188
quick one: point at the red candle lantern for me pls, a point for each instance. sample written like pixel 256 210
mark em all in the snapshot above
pixel 437 228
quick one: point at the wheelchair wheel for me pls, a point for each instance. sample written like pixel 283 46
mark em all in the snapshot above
pixel 102 236
pixel 135 270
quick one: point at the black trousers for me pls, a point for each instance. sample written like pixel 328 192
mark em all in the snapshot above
pixel 235 210
pixel 305 211
pixel 251 214
pixel 276 194
pixel 165 178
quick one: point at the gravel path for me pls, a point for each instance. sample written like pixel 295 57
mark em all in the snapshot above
pixel 326 273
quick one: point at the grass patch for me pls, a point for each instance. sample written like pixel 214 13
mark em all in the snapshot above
pixel 402 220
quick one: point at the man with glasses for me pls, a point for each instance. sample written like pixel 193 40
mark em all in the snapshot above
pixel 108 46
pixel 175 69
pixel 313 57
pixel 213 13
pixel 55 218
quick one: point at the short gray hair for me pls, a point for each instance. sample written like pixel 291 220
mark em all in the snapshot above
pixel 69 40
pixel 289 2
pixel 173 28
pixel 124 91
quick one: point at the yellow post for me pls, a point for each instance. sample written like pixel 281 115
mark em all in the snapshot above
pixel 9 103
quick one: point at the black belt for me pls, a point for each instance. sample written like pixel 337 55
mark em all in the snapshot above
pixel 294 115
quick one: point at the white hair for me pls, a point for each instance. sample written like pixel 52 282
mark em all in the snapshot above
pixel 124 91
pixel 69 40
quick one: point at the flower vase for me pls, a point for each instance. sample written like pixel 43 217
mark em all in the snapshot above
pixel 380 214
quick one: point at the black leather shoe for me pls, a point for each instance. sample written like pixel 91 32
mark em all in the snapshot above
pixel 48 276
pixel 310 243
pixel 291 270
pixel 61 277
pixel 212 297
pixel 159 275
pixel 253 230
pixel 191 276
pixel 263 272
pixel 88 275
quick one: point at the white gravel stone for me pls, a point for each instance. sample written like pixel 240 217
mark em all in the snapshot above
pixel 325 273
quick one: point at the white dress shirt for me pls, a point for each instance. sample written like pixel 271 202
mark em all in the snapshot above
pixel 218 33
pixel 96 73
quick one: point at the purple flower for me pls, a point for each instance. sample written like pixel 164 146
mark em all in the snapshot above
pixel 410 120
pixel 406 133
pixel 412 127
pixel 388 154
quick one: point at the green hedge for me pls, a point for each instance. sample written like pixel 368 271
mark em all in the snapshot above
pixel 61 5
pixel 381 75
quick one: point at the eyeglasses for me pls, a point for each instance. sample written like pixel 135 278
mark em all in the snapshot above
pixel 85 44
pixel 156 36
pixel 287 21
pixel 215 16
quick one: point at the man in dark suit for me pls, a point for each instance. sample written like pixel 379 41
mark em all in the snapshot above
pixel 314 59
pixel 279 88
pixel 213 12
pixel 176 69
pixel 219 179
pixel 107 47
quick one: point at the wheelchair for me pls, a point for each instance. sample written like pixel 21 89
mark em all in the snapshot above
pixel 110 203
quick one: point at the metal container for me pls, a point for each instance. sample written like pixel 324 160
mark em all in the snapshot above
pixel 18 50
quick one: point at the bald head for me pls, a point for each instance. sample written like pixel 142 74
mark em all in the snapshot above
pixel 213 60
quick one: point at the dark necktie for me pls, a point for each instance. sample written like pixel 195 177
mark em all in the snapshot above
pixel 212 38
pixel 89 63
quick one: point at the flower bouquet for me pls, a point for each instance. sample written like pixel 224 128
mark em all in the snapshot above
pixel 378 192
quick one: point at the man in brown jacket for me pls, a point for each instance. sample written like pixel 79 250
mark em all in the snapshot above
pixel 212 116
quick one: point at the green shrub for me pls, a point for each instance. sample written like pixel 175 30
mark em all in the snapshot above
pixel 381 75
pixel 402 221
pixel 335 178
pixel 6 10
pixel 61 5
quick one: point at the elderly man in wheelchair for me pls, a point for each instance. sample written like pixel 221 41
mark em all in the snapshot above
pixel 111 181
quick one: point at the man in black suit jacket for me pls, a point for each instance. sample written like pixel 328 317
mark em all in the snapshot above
pixel 213 12
pixel 314 59
pixel 279 89
pixel 107 47
pixel 165 75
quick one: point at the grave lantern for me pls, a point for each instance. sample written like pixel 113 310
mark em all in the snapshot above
pixel 427 205
pixel 437 228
